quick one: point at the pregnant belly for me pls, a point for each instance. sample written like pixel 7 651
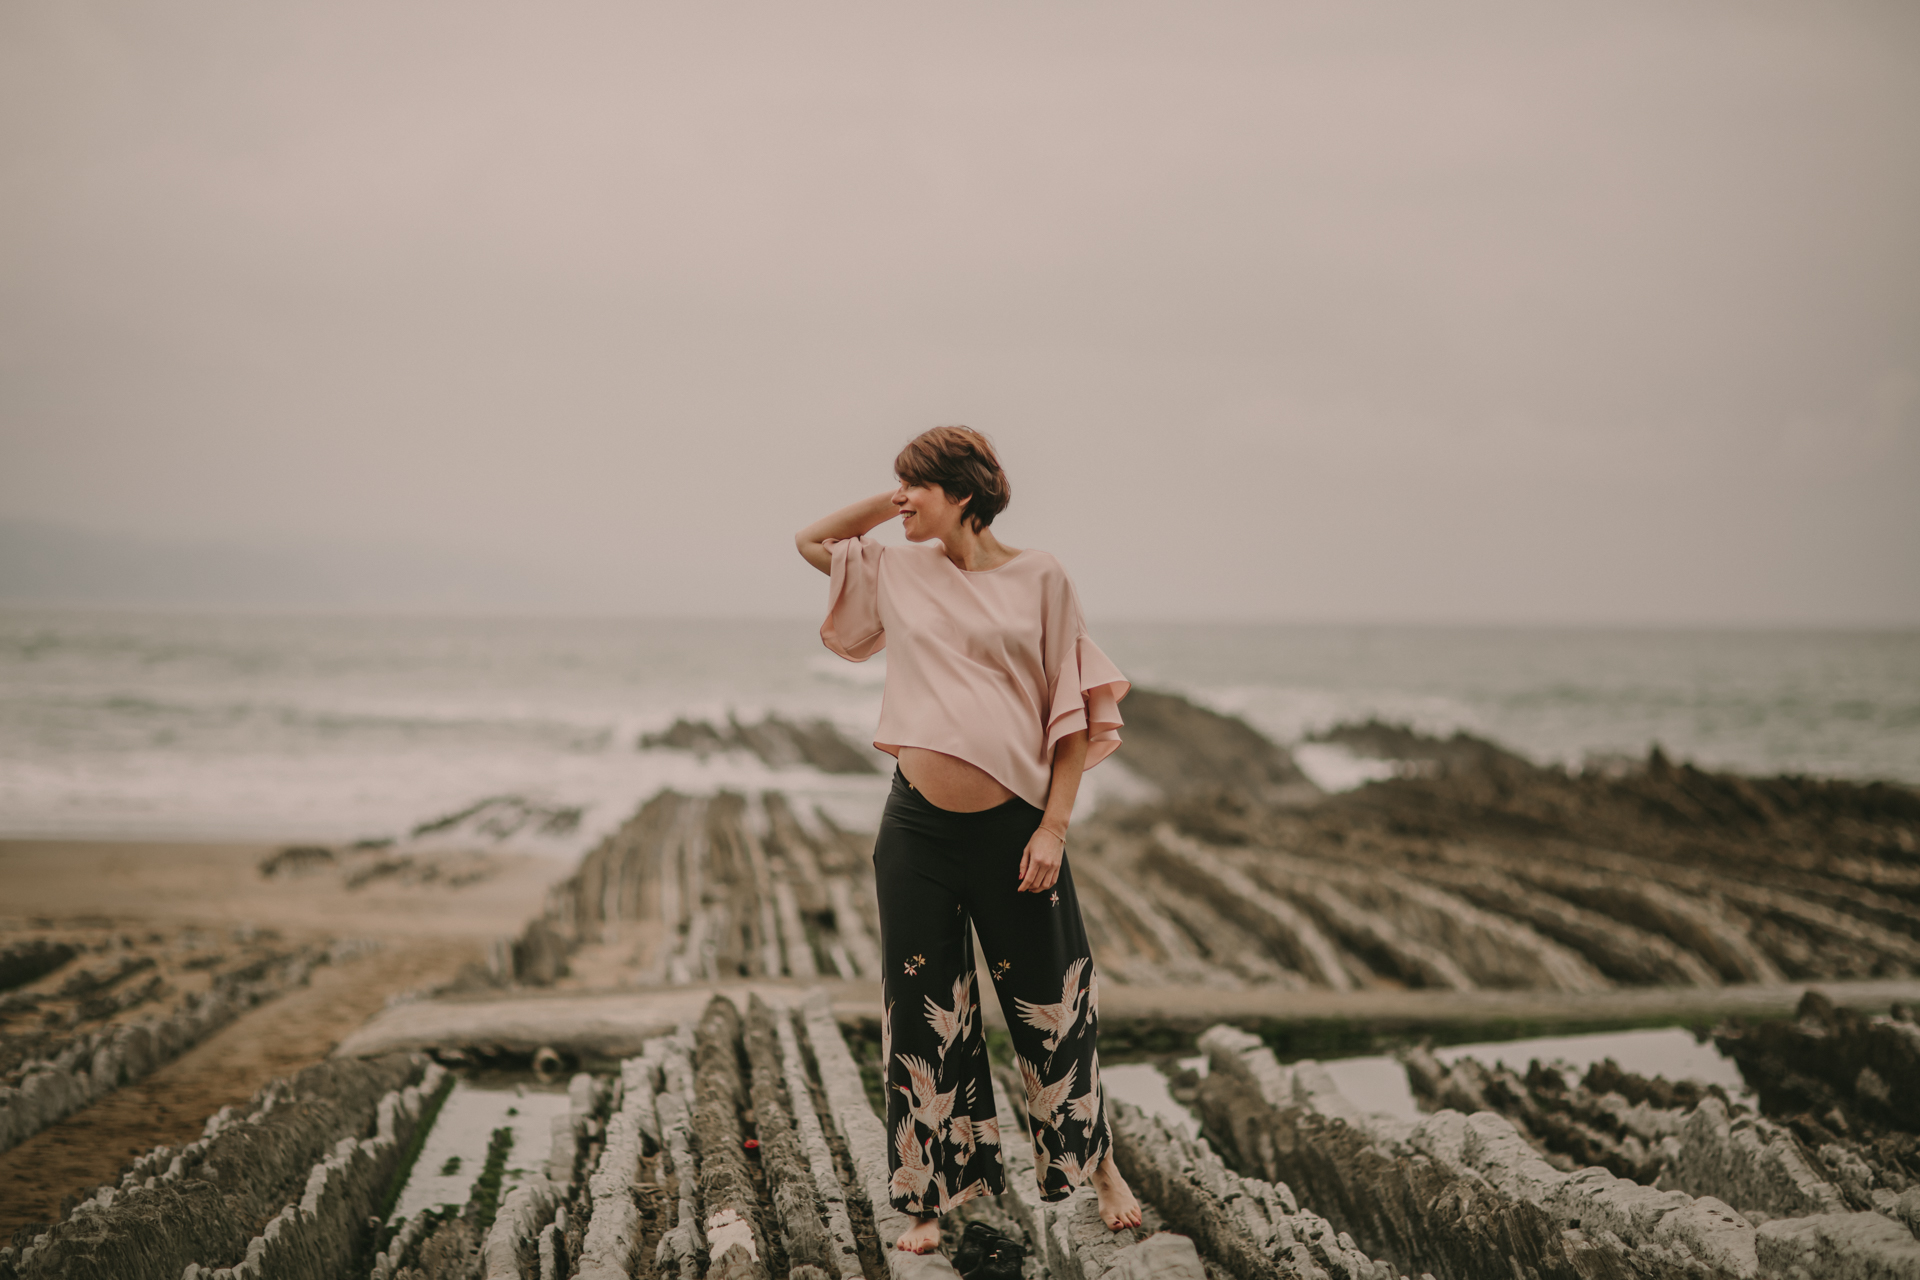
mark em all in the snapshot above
pixel 948 782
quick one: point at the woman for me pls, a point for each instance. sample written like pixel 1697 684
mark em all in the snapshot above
pixel 996 702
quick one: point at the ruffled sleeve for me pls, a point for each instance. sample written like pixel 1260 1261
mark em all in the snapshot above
pixel 1084 687
pixel 852 628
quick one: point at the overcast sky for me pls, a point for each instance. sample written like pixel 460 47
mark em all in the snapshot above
pixel 1531 313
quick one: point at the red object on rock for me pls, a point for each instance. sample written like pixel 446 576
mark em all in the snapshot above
pixel 751 1144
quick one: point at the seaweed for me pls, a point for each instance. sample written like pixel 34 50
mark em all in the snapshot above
pixel 429 1113
pixel 485 1201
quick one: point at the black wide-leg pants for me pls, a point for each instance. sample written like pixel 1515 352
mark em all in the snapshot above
pixel 938 872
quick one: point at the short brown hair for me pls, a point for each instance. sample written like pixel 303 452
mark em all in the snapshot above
pixel 962 462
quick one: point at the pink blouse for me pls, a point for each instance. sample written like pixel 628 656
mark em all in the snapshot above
pixel 994 667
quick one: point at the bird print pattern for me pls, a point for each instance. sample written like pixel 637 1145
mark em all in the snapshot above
pixel 946 1137
pixel 943 1154
pixel 1057 1020
pixel 941 879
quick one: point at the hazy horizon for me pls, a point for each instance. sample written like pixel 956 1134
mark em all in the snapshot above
pixel 1334 315
pixel 188 604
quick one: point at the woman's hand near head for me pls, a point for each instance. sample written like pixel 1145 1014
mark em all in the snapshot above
pixel 847 522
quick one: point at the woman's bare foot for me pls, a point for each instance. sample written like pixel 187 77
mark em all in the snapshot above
pixel 923 1236
pixel 1118 1209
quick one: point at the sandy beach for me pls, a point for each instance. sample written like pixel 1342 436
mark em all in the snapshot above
pixel 145 900
pixel 217 885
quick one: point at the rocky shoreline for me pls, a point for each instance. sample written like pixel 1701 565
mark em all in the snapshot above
pixel 745 1144
pixel 1465 1190
pixel 1473 870
pixel 718 1122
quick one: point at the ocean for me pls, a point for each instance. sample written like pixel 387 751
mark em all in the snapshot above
pixel 333 728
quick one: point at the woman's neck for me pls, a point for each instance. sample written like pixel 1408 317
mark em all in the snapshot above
pixel 976 550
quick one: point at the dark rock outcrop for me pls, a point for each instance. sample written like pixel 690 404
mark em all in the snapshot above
pixel 30 959
pixel 780 743
pixel 1184 748
pixel 1859 1072
pixel 540 955
pixel 1462 754
pixel 297 859
pixel 498 817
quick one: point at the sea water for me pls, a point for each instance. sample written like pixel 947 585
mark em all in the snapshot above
pixel 336 728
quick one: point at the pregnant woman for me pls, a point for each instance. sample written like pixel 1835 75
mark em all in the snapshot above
pixel 996 702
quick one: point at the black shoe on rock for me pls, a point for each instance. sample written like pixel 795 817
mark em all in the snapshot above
pixel 986 1254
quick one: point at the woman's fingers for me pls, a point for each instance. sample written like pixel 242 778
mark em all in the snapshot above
pixel 1039 869
pixel 1039 872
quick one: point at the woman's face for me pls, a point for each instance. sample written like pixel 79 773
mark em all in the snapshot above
pixel 926 511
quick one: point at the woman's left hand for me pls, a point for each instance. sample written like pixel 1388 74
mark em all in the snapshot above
pixel 1040 864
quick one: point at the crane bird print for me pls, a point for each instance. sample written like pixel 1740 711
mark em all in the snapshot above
pixel 916 1168
pixel 1044 1100
pixel 938 1079
pixel 925 1103
pixel 951 1024
pixel 1057 1020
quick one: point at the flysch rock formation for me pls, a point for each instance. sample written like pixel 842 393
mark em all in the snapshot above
pixel 709 1169
pixel 86 1029
pixel 745 1142
pixel 1523 1169
pixel 1813 1147
pixel 697 889
pixel 280 1187
pixel 740 1144
pixel 1457 1195
pixel 779 743
pixel 1474 870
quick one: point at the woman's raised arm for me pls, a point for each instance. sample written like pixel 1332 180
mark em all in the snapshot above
pixel 847 522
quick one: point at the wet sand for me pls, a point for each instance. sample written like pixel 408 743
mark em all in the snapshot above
pixel 218 885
